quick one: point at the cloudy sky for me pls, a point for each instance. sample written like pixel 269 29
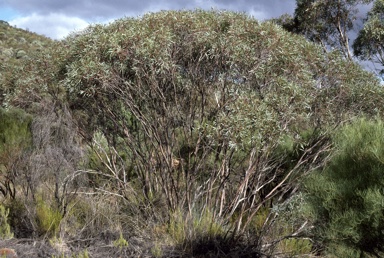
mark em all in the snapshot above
pixel 57 18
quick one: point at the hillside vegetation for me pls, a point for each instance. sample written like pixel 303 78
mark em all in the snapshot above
pixel 183 134
pixel 17 43
pixel 16 46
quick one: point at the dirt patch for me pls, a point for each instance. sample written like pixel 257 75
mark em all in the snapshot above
pixel 95 248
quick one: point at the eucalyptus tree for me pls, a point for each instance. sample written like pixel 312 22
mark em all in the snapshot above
pixel 198 107
pixel 369 44
pixel 328 22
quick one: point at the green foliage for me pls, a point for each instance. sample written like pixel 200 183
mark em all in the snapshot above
pixel 14 128
pixel 327 22
pixel 177 228
pixel 156 251
pixel 295 247
pixel 5 228
pixel 16 47
pixel 369 42
pixel 91 217
pixel 121 242
pixel 18 218
pixel 347 197
pixel 4 23
pixel 48 218
pixel 180 110
pixel 15 140
pixel 216 93
pixel 14 38
pixel 286 21
pixel 290 230
pixel 195 233
pixel 292 148
pixel 84 254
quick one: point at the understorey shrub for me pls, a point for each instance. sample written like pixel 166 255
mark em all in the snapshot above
pixel 346 196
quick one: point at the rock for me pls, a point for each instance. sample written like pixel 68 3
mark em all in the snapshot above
pixel 8 52
pixel 22 40
pixel 20 54
pixel 7 253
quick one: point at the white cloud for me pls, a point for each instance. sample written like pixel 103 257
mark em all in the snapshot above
pixel 56 19
pixel 259 15
pixel 56 26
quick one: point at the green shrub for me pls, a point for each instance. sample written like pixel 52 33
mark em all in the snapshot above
pixel 5 228
pixel 347 197
pixel 183 228
pixel 14 128
pixel 90 217
pixel 260 218
pixel 216 92
pixel 20 218
pixel 48 218
pixel 15 140
pixel 156 251
pixel 222 92
pixel 289 228
pixel 120 242
pixel 3 35
pixel 295 246
pixel 198 232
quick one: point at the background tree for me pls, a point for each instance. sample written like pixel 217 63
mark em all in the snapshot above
pixel 327 22
pixel 369 45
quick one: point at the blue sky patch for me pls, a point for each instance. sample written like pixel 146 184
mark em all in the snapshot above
pixel 8 14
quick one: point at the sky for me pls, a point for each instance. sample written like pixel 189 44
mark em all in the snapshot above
pixel 57 18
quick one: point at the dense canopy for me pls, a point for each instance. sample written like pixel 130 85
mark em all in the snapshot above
pixel 196 127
